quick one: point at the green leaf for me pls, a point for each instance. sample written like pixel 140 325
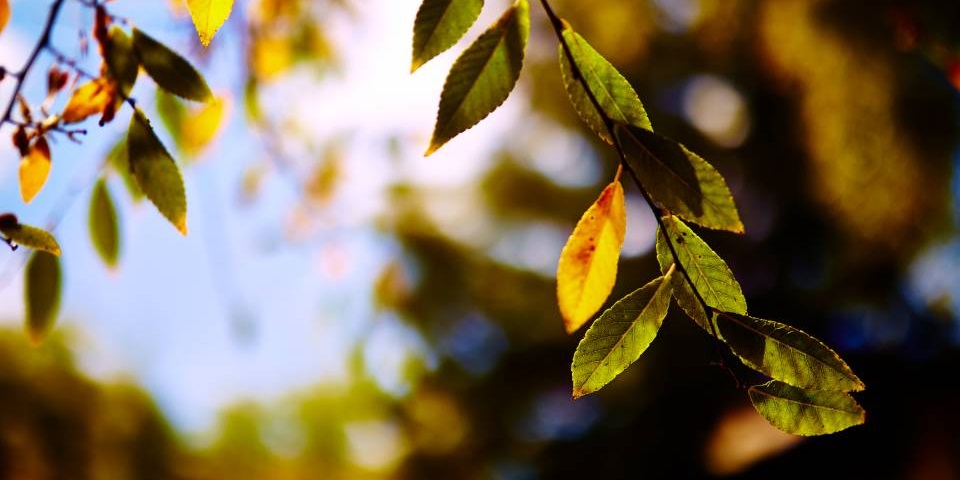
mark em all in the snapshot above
pixel 617 98
pixel 104 229
pixel 156 173
pixel 709 273
pixel 172 113
pixel 785 353
pixel 621 334
pixel 483 76
pixel 439 24
pixel 119 161
pixel 679 180
pixel 30 237
pixel 41 294
pixel 121 59
pixel 171 71
pixel 805 412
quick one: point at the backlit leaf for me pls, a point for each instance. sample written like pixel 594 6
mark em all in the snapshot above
pixel 620 336
pixel 615 95
pixel 171 71
pixel 156 172
pixel 30 237
pixel 679 180
pixel 104 229
pixel 41 294
pixel 4 13
pixel 88 99
pixel 483 76
pixel 172 112
pixel 208 16
pixel 588 263
pixel 201 126
pixel 119 161
pixel 710 274
pixel 439 24
pixel 34 169
pixel 805 412
pixel 785 353
pixel 121 60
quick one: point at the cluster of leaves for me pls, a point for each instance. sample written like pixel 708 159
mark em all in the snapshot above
pixel 141 159
pixel 809 383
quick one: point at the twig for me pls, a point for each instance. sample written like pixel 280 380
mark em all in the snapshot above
pixel 658 211
pixel 41 43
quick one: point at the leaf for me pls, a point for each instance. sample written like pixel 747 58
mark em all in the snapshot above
pixel 118 159
pixel 588 263
pixel 785 353
pixel 171 71
pixel 208 16
pixel 202 127
pixel 104 229
pixel 88 99
pixel 620 336
pixel 679 180
pixel 805 412
pixel 121 60
pixel 41 294
pixel 710 274
pixel 617 98
pixel 172 113
pixel 30 237
pixel 483 76
pixel 34 169
pixel 439 24
pixel 157 174
pixel 4 13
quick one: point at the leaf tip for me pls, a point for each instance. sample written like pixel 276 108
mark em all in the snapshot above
pixel 415 64
pixel 181 225
pixel 434 146
pixel 579 392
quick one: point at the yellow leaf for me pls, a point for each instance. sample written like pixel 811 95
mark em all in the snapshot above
pixel 34 169
pixel 89 99
pixel 208 16
pixel 4 13
pixel 202 126
pixel 588 262
pixel 270 56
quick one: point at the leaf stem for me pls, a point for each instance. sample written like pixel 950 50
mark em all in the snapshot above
pixel 658 211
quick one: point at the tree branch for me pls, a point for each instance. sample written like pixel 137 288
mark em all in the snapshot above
pixel 21 76
pixel 558 26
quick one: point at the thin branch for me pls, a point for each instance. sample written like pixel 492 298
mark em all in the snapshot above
pixel 41 44
pixel 658 212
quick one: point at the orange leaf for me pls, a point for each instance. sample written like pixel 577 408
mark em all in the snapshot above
pixel 4 13
pixel 89 99
pixel 34 169
pixel 588 262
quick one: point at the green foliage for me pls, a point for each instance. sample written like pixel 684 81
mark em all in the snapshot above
pixel 103 224
pixel 42 284
pixel 805 412
pixel 156 172
pixel 620 335
pixel 28 236
pixel 483 76
pixel 121 59
pixel 171 71
pixel 785 353
pixel 439 24
pixel 678 179
pixel 706 271
pixel 617 98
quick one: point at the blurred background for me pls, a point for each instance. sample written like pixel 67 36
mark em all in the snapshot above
pixel 345 308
